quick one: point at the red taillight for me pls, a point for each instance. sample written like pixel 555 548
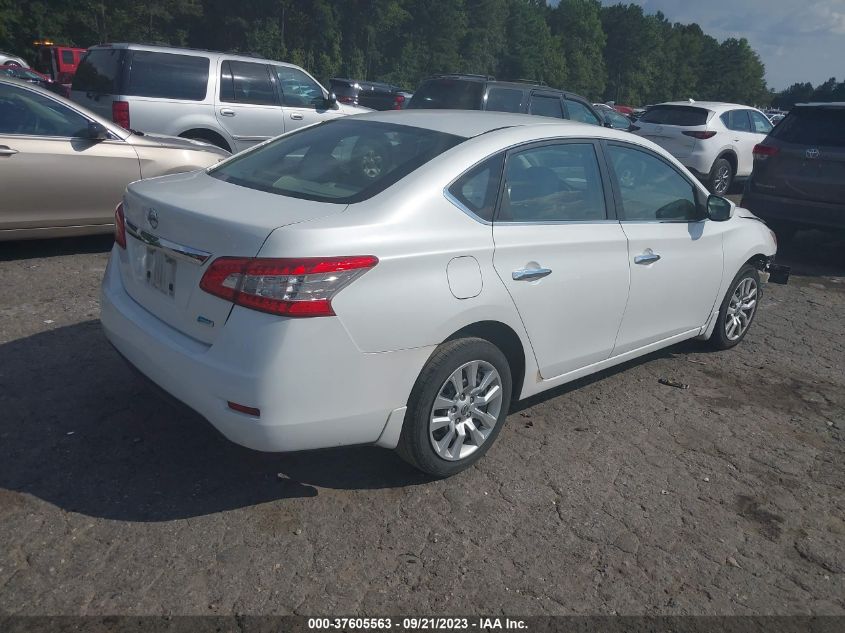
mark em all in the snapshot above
pixel 120 113
pixel 398 102
pixel 762 152
pixel 700 135
pixel 119 226
pixel 242 408
pixel 347 100
pixel 302 287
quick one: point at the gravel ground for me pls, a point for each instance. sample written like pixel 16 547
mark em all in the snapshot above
pixel 613 495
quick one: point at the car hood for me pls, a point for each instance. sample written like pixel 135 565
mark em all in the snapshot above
pixel 175 142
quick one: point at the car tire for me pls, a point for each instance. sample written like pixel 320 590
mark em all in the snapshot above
pixel 734 320
pixel 13 64
pixel 721 177
pixel 443 441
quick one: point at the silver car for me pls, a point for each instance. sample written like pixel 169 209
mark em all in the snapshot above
pixel 232 101
pixel 7 59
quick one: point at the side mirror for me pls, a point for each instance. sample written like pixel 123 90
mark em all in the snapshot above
pixel 96 132
pixel 719 209
pixel 331 101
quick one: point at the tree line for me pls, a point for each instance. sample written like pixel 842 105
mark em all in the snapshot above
pixel 618 53
pixel 826 92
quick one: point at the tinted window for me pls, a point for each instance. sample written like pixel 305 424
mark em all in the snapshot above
pixel 245 82
pixel 67 57
pixel 343 88
pixel 448 94
pixel 546 106
pixel 479 187
pixel 651 189
pixel 26 112
pixel 99 71
pixel 340 161
pixel 167 76
pixel 737 120
pixel 687 116
pixel 504 100
pixel 617 121
pixel 580 112
pixel 759 123
pixel 813 126
pixel 298 89
pixel 553 183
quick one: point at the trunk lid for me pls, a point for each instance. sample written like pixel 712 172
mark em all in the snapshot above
pixel 177 225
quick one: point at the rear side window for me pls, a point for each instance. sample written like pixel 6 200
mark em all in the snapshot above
pixel 737 120
pixel 340 161
pixel 167 76
pixel 580 112
pixel 546 106
pixel 812 126
pixel 478 189
pixel 448 94
pixel 504 100
pixel 686 116
pixel 99 71
pixel 245 82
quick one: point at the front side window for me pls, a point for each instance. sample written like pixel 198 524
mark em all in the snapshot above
pixel 737 120
pixel 546 106
pixel 29 113
pixel 341 161
pixel 246 82
pixel 298 89
pixel 759 123
pixel 478 189
pixel 504 100
pixel 553 183
pixel 167 76
pixel 67 57
pixel 650 189
pixel 580 112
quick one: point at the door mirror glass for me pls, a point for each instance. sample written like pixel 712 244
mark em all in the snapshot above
pixel 96 132
pixel 719 209
pixel 331 101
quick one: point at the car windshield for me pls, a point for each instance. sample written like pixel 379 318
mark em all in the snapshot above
pixel 675 115
pixel 813 126
pixel 448 94
pixel 341 161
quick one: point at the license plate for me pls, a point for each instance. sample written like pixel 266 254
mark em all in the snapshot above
pixel 161 271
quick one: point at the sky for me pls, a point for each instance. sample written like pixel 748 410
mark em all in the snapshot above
pixel 797 40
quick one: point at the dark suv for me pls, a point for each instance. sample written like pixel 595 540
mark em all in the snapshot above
pixel 480 92
pixel 370 94
pixel 799 171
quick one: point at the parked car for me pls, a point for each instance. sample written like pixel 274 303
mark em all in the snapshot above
pixel 7 59
pixel 378 284
pixel 713 140
pixel 776 118
pixel 480 92
pixel 799 171
pixel 30 76
pixel 63 169
pixel 369 94
pixel 232 101
pixel 58 62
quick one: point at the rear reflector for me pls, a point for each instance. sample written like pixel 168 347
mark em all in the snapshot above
pixel 398 100
pixel 119 226
pixel 120 113
pixel 762 152
pixel 301 287
pixel 700 135
pixel 242 408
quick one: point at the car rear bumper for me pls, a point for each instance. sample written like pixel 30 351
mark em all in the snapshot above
pixel 797 212
pixel 314 388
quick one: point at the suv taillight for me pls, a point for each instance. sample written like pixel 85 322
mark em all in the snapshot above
pixel 398 102
pixel 119 226
pixel 120 113
pixel 700 135
pixel 301 287
pixel 762 152
pixel 347 100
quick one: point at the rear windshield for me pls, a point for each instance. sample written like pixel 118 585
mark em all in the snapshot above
pixel 812 126
pixel 341 161
pixel 448 94
pixel 99 71
pixel 167 76
pixel 675 115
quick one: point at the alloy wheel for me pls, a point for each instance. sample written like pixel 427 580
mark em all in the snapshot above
pixel 722 180
pixel 741 308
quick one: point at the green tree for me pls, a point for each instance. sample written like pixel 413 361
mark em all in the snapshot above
pixel 576 24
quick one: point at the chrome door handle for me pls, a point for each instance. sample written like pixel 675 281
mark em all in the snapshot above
pixel 529 274
pixel 227 112
pixel 296 116
pixel 648 257
pixel 7 151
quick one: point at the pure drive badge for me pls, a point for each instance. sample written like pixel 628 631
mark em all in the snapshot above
pixel 205 321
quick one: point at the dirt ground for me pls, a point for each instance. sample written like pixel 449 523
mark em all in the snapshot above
pixel 613 495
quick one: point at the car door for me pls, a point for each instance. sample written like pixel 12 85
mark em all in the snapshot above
pixel 248 105
pixel 674 255
pixel 562 257
pixel 303 99
pixel 51 173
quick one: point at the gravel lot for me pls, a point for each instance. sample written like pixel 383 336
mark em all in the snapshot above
pixel 613 495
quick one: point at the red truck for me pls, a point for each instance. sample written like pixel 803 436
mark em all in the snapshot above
pixel 58 62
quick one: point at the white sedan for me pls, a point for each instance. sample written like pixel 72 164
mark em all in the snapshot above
pixel 399 278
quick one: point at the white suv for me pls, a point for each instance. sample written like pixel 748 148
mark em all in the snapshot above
pixel 713 140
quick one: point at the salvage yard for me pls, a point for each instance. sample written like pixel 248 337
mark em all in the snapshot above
pixel 616 494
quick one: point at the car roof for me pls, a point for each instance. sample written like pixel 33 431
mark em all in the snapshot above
pixel 706 105
pixel 199 52
pixel 820 104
